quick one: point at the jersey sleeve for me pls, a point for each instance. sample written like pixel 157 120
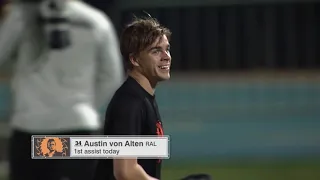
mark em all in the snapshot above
pixel 124 117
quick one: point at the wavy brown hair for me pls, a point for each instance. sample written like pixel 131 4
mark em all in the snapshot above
pixel 140 34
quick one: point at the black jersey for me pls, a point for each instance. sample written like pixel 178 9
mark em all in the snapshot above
pixel 132 111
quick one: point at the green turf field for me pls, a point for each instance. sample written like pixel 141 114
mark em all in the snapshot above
pixel 297 170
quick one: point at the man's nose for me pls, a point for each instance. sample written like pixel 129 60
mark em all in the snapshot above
pixel 166 56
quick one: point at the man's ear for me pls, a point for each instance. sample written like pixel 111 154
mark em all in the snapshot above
pixel 134 60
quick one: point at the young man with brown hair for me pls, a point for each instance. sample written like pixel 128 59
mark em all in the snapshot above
pixel 133 109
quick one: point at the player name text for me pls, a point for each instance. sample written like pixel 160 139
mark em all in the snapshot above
pixel 129 143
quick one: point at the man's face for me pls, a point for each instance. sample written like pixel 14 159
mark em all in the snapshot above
pixel 154 62
pixel 52 146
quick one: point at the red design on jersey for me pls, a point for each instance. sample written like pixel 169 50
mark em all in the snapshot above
pixel 159 133
pixel 159 129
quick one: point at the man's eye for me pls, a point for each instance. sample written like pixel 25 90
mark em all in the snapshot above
pixel 156 51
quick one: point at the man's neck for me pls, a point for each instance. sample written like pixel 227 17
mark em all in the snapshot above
pixel 143 81
pixel 51 153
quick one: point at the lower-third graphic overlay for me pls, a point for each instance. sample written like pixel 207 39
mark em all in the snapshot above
pixel 100 147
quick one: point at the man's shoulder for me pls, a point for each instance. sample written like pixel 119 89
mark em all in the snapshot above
pixel 58 153
pixel 123 95
pixel 126 96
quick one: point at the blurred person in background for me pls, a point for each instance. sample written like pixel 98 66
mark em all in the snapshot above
pixel 67 68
